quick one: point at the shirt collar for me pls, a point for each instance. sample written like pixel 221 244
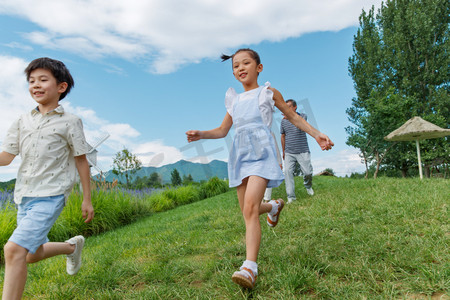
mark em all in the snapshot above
pixel 58 110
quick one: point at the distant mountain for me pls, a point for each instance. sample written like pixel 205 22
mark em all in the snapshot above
pixel 198 171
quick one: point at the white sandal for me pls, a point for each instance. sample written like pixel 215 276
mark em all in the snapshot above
pixel 272 220
pixel 245 278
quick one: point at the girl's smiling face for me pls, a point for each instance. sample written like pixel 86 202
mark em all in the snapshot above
pixel 246 70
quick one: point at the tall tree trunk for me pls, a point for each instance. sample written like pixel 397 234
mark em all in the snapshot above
pixel 377 156
pixel 426 170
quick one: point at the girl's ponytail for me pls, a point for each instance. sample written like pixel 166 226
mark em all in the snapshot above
pixel 253 53
pixel 226 57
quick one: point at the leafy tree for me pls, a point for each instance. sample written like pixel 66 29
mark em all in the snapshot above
pixel 329 170
pixel 126 163
pixel 400 69
pixel 187 179
pixel 155 180
pixel 175 177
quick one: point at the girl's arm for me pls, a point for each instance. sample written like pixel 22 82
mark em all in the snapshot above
pixel 216 133
pixel 85 178
pixel 6 158
pixel 324 141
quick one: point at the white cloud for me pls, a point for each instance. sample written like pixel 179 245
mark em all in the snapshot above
pixel 156 154
pixel 14 96
pixel 171 33
pixel 343 162
pixel 16 45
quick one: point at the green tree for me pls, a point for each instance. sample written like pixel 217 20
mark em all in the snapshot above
pixel 126 163
pixel 155 180
pixel 187 179
pixel 400 69
pixel 175 177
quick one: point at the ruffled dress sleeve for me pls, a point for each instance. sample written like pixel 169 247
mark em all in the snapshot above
pixel 230 98
pixel 266 104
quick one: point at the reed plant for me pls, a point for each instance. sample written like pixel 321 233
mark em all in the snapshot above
pixel 8 216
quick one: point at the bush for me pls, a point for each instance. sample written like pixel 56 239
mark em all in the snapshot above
pixel 8 216
pixel 213 187
pixel 184 195
pixel 160 202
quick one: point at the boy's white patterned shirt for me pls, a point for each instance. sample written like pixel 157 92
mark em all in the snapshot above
pixel 47 145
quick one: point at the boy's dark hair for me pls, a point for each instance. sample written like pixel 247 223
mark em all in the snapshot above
pixel 292 101
pixel 56 67
pixel 252 53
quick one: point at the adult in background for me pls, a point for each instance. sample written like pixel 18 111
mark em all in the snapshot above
pixel 295 149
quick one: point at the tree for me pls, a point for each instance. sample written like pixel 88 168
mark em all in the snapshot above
pixel 400 69
pixel 155 180
pixel 125 163
pixel 175 177
pixel 187 179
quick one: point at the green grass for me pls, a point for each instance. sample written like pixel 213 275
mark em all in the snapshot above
pixel 113 208
pixel 354 239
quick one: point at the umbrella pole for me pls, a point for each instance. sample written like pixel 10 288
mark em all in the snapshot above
pixel 418 157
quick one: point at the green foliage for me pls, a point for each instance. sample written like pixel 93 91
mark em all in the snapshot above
pixel 8 216
pixel 160 202
pixel 187 179
pixel 400 69
pixel 329 170
pixel 183 195
pixel 8 185
pixel 214 187
pixel 152 181
pixel 126 163
pixel 175 177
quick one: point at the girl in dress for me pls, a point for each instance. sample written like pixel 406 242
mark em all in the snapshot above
pixel 252 163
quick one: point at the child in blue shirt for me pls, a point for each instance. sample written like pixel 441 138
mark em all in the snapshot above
pixel 252 163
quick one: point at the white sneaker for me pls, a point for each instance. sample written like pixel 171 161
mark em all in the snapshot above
pixel 290 200
pixel 310 191
pixel 73 263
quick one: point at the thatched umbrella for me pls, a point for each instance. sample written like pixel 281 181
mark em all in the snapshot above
pixel 416 129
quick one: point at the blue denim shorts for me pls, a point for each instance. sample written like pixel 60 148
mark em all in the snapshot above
pixel 35 218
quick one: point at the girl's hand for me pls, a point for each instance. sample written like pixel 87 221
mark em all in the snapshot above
pixel 324 142
pixel 193 135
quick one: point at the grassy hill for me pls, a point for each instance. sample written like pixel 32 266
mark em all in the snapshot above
pixel 354 239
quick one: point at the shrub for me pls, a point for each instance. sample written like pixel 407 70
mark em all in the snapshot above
pixel 160 202
pixel 183 195
pixel 213 187
pixel 8 216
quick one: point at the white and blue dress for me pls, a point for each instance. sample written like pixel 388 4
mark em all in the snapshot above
pixel 253 151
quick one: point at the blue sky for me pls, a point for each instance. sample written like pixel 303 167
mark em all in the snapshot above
pixel 147 71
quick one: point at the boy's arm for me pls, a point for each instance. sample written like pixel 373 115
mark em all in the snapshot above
pixel 6 158
pixel 85 179
pixel 283 143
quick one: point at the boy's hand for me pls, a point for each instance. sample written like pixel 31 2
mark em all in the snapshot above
pixel 87 210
